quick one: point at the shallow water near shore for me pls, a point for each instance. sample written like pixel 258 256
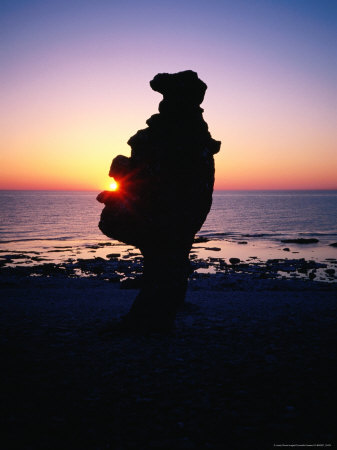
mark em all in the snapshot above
pixel 112 260
pixel 53 227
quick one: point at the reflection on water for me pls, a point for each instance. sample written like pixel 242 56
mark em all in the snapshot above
pixel 251 257
pixel 263 250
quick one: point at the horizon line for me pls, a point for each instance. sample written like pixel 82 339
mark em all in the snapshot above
pixel 215 190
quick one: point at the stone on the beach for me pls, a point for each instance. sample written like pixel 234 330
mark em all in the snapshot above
pixel 300 241
pixel 200 239
pixel 330 272
pixel 113 255
pixel 286 249
pixel 234 261
pixel 333 244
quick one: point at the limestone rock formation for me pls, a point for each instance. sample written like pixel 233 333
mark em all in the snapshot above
pixel 165 193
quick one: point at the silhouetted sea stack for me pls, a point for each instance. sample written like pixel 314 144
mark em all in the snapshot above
pixel 164 196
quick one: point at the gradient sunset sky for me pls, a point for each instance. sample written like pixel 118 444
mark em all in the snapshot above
pixel 75 86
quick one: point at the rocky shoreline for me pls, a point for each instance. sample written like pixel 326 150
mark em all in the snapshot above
pixel 250 363
pixel 125 267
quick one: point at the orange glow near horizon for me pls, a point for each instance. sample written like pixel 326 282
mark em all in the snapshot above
pixel 74 89
pixel 73 151
pixel 241 169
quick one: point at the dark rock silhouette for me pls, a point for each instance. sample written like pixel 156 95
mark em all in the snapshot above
pixel 165 193
pixel 300 241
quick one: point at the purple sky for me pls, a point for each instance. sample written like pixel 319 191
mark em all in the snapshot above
pixel 74 86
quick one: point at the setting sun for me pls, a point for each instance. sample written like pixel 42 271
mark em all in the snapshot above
pixel 113 185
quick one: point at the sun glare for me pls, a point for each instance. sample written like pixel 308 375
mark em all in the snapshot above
pixel 113 185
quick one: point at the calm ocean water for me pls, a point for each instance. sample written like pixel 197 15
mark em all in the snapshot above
pixel 237 215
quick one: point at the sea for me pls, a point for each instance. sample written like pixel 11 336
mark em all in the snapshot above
pixel 240 224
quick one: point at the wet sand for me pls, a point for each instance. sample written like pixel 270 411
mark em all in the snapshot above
pixel 249 365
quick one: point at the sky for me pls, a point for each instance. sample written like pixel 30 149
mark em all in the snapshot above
pixel 74 87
